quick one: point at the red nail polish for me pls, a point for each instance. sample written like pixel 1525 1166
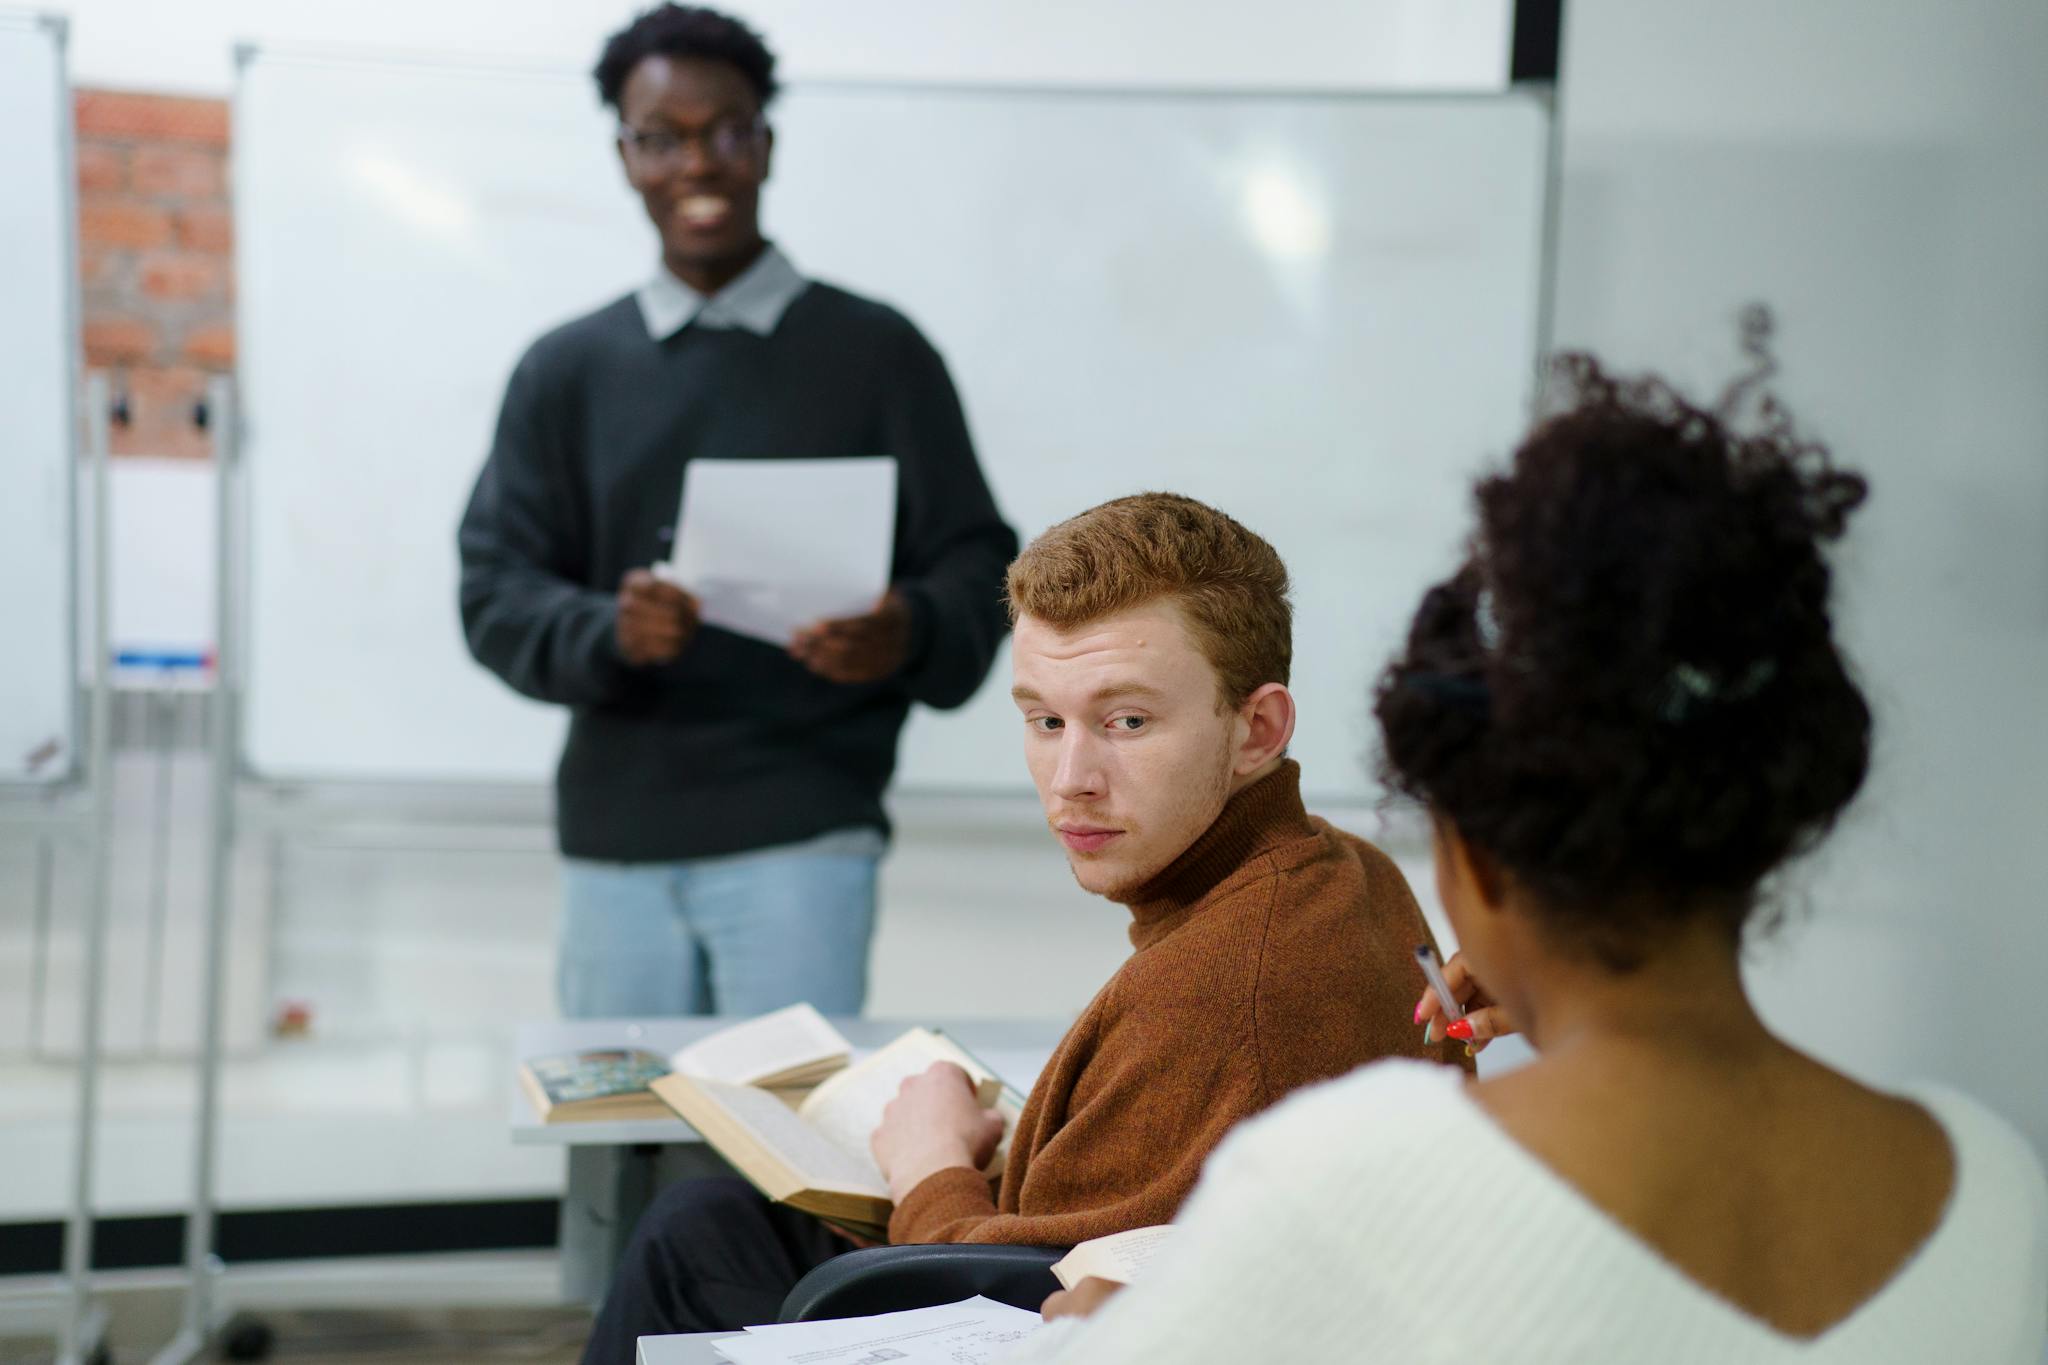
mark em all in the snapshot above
pixel 1462 1031
pixel 1418 1011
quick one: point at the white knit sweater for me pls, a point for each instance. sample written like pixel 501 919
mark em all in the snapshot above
pixel 1331 1229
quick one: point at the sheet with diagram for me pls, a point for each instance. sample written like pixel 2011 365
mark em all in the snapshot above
pixel 976 1331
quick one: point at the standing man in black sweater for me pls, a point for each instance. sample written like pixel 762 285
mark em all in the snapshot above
pixel 720 799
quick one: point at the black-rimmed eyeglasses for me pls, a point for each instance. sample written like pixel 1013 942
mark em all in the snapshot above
pixel 730 141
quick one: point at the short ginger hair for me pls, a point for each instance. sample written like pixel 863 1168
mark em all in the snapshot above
pixel 1228 582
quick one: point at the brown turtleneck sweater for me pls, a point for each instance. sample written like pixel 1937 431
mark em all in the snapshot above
pixel 1274 952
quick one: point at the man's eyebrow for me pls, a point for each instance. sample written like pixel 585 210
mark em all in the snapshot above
pixel 1112 692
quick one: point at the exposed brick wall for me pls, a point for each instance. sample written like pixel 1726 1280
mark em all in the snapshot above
pixel 156 259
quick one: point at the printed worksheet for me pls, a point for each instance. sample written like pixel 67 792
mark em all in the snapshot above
pixel 974 1331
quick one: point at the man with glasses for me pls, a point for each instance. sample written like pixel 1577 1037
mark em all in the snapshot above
pixel 719 801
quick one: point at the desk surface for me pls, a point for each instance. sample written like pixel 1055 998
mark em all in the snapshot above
pixel 1015 1049
pixel 691 1349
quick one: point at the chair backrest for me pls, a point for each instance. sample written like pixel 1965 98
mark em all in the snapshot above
pixel 890 1279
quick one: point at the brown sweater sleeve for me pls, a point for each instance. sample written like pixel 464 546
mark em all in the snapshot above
pixel 944 1206
pixel 1123 1133
pixel 1127 1155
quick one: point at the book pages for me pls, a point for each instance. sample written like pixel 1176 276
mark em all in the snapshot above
pixel 771 1125
pixel 793 1044
pixel 847 1108
pixel 1118 1258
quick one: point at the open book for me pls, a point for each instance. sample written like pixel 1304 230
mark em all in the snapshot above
pixel 816 1157
pixel 785 1052
pixel 789 1049
pixel 1117 1258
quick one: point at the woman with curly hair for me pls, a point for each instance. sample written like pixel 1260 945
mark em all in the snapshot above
pixel 1623 713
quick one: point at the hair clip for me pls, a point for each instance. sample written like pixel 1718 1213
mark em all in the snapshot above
pixel 1486 621
pixel 1689 687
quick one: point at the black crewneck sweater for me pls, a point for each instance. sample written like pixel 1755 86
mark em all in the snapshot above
pixel 733 746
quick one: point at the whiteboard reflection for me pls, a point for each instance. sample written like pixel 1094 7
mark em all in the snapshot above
pixel 412 197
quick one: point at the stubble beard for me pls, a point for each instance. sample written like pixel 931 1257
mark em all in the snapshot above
pixel 1212 797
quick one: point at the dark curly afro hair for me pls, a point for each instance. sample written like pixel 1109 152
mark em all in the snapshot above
pixel 1630 694
pixel 685 31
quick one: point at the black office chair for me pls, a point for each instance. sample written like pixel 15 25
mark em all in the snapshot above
pixel 891 1279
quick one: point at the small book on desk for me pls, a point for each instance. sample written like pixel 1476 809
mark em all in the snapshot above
pixel 784 1053
pixel 815 1157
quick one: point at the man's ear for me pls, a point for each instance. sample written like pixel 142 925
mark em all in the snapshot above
pixel 625 162
pixel 767 150
pixel 1265 724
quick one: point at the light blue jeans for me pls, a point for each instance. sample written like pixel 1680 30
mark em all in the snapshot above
pixel 741 934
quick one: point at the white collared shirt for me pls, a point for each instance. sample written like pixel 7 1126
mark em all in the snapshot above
pixel 755 300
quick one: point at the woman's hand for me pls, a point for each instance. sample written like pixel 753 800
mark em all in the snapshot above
pixel 1484 1020
pixel 1078 1302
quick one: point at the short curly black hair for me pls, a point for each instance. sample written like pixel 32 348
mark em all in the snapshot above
pixel 685 31
pixel 1630 694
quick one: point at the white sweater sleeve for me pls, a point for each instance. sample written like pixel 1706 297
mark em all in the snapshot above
pixel 1258 1250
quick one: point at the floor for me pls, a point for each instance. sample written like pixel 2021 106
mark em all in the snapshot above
pixel 315 1313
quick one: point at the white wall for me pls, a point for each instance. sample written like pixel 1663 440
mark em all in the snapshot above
pixel 185 46
pixel 1874 169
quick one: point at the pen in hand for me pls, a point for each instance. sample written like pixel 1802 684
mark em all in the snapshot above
pixel 1425 957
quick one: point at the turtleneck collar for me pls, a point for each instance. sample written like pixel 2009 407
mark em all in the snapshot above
pixel 1262 816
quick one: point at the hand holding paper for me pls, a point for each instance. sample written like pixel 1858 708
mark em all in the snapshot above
pixel 656 618
pixel 771 547
pixel 857 649
pixel 1081 1301
pixel 1093 1272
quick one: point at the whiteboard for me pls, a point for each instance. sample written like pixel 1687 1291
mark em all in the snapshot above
pixel 1317 312
pixel 38 337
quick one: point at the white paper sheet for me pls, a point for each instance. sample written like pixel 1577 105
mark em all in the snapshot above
pixel 771 546
pixel 972 1332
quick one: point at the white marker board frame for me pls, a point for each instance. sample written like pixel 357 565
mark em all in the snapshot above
pixel 1257 324
pixel 39 379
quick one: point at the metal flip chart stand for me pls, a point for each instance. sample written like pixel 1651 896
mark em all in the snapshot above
pixel 202 1267
pixel 85 1321
pixel 82 1340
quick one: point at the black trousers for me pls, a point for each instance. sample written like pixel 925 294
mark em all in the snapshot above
pixel 709 1255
